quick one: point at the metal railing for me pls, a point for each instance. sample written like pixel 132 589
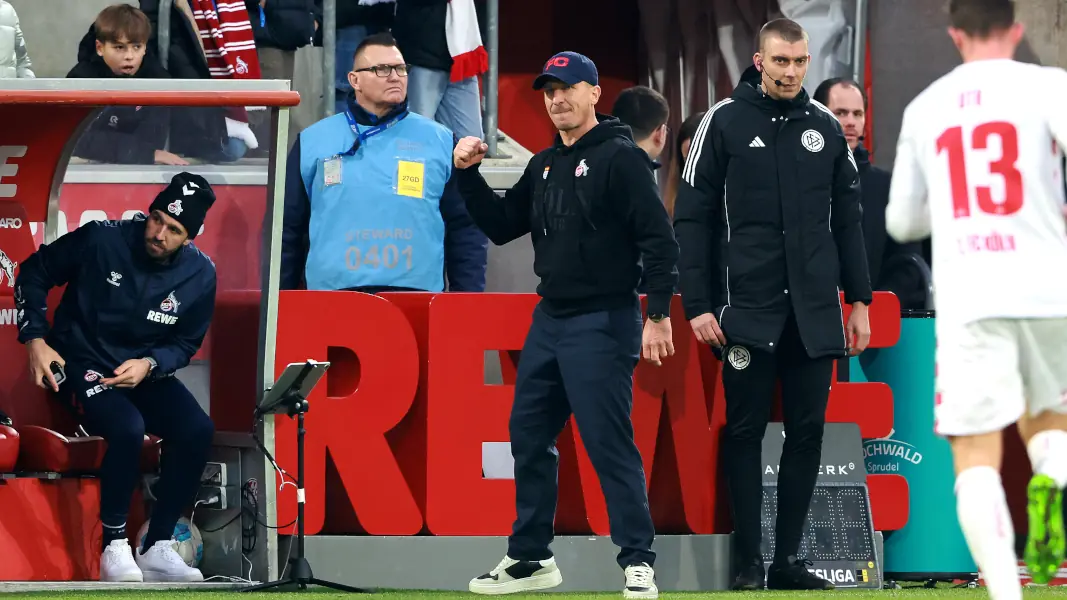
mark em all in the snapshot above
pixel 329 59
pixel 859 43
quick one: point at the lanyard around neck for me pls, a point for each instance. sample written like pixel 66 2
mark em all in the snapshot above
pixel 364 134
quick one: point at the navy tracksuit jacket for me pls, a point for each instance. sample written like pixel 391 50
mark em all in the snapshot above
pixel 119 304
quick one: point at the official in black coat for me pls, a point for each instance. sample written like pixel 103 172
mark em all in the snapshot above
pixel 769 225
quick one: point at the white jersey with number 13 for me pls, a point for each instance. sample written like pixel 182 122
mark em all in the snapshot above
pixel 979 162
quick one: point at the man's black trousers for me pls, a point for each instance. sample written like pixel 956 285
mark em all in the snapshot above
pixel 122 416
pixel 749 378
pixel 582 365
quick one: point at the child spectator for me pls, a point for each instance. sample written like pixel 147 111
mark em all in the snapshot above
pixel 116 46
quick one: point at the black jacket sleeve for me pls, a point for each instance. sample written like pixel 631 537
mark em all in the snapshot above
pixel 295 220
pixel 502 219
pixel 188 337
pixel 466 248
pixel 697 214
pixel 846 221
pixel 631 178
pixel 52 265
pixel 138 146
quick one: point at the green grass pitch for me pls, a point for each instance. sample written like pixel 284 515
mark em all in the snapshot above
pixel 942 593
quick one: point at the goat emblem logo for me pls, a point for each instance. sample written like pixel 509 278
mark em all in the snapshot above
pixel 7 269
pixel 170 304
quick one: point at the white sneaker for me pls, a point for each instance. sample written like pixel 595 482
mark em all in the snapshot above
pixel 117 564
pixel 640 582
pixel 511 576
pixel 163 563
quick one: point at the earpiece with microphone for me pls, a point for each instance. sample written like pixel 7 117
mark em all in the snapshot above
pixel 777 82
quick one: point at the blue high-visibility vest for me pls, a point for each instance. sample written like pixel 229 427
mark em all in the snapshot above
pixel 375 213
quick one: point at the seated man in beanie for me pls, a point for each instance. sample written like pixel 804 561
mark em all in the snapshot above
pixel 138 301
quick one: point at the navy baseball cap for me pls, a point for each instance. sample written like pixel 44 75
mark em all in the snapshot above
pixel 568 67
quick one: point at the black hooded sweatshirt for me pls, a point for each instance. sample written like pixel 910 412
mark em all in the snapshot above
pixel 769 221
pixel 125 135
pixel 594 213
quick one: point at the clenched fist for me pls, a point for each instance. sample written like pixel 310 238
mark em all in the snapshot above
pixel 469 151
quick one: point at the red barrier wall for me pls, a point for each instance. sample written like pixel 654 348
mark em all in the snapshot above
pixel 395 432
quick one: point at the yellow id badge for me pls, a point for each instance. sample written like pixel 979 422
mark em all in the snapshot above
pixel 409 178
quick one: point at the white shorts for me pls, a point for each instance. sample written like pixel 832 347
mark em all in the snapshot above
pixel 990 372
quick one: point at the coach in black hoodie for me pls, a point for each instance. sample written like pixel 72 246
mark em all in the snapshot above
pixel 592 208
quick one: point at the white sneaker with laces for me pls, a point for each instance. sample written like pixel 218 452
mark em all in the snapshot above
pixel 512 576
pixel 640 582
pixel 163 563
pixel 117 564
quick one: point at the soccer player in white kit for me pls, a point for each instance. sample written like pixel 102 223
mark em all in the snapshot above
pixel 978 165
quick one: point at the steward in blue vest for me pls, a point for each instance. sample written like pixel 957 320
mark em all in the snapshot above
pixel 371 205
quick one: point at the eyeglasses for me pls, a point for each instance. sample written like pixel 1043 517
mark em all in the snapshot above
pixel 385 70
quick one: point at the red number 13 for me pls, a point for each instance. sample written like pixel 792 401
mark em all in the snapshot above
pixel 952 142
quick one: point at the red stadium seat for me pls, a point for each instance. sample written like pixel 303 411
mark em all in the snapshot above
pixel 41 448
pixel 45 451
pixel 19 397
pixel 9 449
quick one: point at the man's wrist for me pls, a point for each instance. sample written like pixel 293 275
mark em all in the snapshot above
pixel 659 304
pixel 152 364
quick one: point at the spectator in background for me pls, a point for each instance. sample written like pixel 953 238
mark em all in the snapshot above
pixel 386 213
pixel 196 39
pixel 281 27
pixel 14 58
pixel 440 39
pixel 116 46
pixel 356 19
pixel 894 267
pixel 681 152
pixel 646 112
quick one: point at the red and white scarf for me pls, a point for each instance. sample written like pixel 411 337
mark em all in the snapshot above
pixel 469 58
pixel 230 49
pixel 227 37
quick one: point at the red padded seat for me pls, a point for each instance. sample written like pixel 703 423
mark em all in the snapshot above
pixel 45 451
pixel 9 449
pixel 42 450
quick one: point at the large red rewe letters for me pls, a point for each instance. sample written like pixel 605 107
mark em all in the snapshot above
pixel 404 410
